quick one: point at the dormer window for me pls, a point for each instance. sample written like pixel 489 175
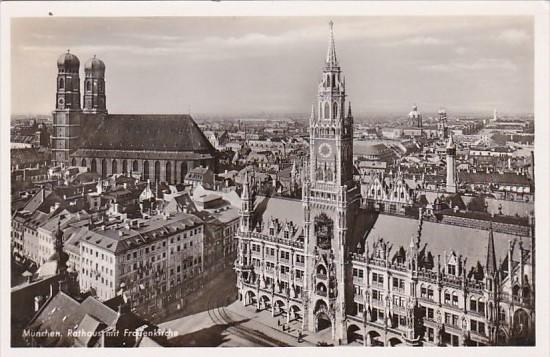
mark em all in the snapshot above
pixel 451 269
pixel 286 234
pixel 271 231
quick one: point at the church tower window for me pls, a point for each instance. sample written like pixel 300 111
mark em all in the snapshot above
pixel 327 111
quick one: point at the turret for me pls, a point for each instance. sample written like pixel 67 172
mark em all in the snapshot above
pixel 66 117
pixel 247 204
pixel 94 86
pixel 451 165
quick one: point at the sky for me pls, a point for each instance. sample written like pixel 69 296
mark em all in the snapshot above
pixel 246 65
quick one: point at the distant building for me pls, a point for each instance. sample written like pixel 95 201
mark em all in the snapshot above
pixel 203 176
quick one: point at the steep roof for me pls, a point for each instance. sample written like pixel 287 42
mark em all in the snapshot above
pixel 470 242
pixel 62 313
pixel 143 132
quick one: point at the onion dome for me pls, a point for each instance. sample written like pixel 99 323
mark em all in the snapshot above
pixel 68 62
pixel 94 67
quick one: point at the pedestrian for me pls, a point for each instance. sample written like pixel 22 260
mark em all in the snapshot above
pixel 278 322
pixel 299 339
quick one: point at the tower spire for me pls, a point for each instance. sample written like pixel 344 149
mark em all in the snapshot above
pixel 331 53
pixel 491 256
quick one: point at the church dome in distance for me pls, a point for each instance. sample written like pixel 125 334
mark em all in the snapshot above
pixel 68 62
pixel 94 66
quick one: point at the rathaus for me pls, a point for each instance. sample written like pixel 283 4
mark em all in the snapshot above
pixel 374 278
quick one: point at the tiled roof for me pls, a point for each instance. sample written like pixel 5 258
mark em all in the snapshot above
pixel 62 313
pixel 440 238
pixel 493 178
pixel 143 132
pixel 27 156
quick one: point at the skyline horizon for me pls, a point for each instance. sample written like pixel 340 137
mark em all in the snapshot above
pixel 475 63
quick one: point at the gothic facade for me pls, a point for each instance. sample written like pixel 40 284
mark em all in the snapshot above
pixel 359 276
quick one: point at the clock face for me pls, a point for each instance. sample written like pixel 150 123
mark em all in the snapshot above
pixel 325 150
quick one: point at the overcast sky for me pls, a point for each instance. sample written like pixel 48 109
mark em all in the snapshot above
pixel 268 64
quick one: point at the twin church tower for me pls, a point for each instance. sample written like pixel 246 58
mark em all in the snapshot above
pixel 68 111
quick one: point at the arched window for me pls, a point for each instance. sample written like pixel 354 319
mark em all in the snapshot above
pixel 73 162
pixel 168 172
pixel 157 171
pixel 124 166
pixel 135 166
pixel 93 165
pixel 83 163
pixel 114 167
pixel 146 170
pixel 88 85
pixel 61 83
pixel 335 110
pixel 103 167
pixel 327 110
pixel 328 81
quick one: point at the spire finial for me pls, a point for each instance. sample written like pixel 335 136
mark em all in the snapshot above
pixel 331 54
pixel 349 109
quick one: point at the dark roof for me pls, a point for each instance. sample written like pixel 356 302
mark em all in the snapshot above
pixel 62 313
pixel 493 178
pixel 470 242
pixel 143 132
pixel 27 156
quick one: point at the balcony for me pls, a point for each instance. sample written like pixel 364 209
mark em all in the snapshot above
pixel 321 276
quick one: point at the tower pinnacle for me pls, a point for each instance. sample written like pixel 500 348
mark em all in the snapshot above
pixel 491 265
pixel 331 53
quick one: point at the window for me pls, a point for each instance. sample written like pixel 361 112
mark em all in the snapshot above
pixel 473 304
pixel 430 293
pixel 357 273
pixel 447 299
pixel 285 255
pixel 430 334
pixel 481 307
pixel 398 284
pixel 451 268
pixel 455 299
pixel 423 292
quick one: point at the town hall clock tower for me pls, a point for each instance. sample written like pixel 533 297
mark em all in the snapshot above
pixel 330 201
